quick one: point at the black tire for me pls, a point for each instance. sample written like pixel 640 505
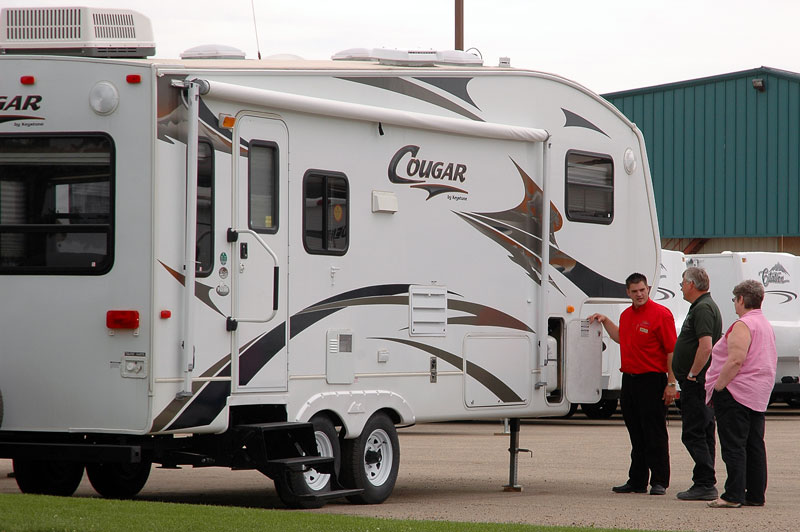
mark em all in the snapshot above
pixel 602 410
pixel 573 407
pixel 793 401
pixel 371 461
pixel 48 477
pixel 118 481
pixel 291 484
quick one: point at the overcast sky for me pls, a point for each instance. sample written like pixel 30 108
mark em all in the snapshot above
pixel 606 45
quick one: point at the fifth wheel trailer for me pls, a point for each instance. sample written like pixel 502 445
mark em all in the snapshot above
pixel 272 264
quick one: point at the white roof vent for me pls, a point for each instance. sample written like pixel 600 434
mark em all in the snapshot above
pixel 386 56
pixel 84 31
pixel 212 51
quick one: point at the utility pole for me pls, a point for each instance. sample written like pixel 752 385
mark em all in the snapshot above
pixel 459 24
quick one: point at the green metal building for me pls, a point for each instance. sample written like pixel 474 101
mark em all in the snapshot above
pixel 724 155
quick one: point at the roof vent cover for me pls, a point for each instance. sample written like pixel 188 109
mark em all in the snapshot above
pixel 80 31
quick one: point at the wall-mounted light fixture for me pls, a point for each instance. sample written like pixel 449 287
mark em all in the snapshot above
pixel 758 84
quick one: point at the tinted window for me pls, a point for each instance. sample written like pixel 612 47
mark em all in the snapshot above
pixel 56 204
pixel 325 213
pixel 262 173
pixel 204 261
pixel 590 187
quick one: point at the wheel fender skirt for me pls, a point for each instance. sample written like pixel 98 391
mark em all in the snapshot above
pixel 355 408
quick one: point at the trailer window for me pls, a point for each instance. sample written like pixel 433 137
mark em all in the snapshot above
pixel 56 204
pixel 326 213
pixel 590 187
pixel 262 169
pixel 204 260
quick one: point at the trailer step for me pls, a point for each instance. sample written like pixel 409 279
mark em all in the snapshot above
pixel 329 495
pixel 299 463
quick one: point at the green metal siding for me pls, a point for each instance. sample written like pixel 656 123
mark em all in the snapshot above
pixel 723 156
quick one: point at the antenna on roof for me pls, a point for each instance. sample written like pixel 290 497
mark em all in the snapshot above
pixel 255 27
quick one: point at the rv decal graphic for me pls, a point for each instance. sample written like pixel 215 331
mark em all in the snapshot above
pixel 775 275
pixel 418 171
pixel 20 103
pixel 201 291
pixel 576 120
pixel 491 382
pixel 517 230
pixel 210 397
pixel 411 88
pixel 15 118
pixel 787 296
pixel 664 294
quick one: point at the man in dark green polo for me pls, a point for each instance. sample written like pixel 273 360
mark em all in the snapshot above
pixel 701 329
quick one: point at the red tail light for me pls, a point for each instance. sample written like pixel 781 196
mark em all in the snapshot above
pixel 27 80
pixel 122 319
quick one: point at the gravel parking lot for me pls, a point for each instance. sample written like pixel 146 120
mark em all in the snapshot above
pixel 455 471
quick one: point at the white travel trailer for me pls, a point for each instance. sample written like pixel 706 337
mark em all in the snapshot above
pixel 364 250
pixel 779 273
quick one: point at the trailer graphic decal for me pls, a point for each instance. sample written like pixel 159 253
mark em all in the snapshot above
pixel 492 383
pixel 576 120
pixel 517 231
pixel 455 86
pixel 788 296
pixel 210 397
pixel 201 291
pixel 426 169
pixel 14 118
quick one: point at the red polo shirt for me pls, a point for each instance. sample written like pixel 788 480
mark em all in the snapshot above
pixel 647 335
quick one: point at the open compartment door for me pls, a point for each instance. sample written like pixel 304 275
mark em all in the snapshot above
pixel 583 362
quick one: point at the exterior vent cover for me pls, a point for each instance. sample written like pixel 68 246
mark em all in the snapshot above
pixel 78 31
pixel 427 310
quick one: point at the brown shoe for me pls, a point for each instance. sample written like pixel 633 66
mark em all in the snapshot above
pixel 722 503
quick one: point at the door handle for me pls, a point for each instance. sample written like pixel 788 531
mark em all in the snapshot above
pixel 243 250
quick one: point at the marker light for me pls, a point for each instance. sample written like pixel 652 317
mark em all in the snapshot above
pixel 227 121
pixel 27 80
pixel 166 314
pixel 570 309
pixel 122 319
pixel 133 78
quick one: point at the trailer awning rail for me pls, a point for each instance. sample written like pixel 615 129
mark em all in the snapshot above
pixel 369 113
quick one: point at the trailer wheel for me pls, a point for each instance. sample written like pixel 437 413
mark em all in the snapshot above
pixel 48 477
pixel 602 410
pixel 118 481
pixel 292 484
pixel 370 462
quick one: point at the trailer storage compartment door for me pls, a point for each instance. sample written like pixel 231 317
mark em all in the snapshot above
pixel 583 362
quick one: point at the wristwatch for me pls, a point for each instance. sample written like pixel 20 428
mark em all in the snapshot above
pixel 672 384
pixel 691 375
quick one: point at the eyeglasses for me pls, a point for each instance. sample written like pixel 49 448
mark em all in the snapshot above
pixel 734 298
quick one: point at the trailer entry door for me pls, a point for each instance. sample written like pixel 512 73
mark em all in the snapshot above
pixel 261 199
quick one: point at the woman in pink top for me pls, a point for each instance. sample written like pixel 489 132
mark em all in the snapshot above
pixel 738 385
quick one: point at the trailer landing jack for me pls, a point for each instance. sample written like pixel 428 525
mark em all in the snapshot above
pixel 513 451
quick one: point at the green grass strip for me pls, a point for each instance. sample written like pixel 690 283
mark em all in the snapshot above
pixel 38 513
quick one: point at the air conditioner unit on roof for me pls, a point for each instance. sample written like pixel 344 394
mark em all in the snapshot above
pixel 82 31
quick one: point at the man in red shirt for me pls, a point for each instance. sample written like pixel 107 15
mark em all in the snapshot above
pixel 646 334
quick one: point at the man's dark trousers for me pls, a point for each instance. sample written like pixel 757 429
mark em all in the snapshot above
pixel 698 432
pixel 741 436
pixel 645 416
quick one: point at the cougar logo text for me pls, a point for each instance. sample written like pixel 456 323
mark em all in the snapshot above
pixel 428 174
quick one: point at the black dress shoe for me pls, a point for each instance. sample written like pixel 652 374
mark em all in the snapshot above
pixel 627 488
pixel 657 489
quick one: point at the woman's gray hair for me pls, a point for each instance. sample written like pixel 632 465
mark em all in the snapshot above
pixel 751 292
pixel 698 277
